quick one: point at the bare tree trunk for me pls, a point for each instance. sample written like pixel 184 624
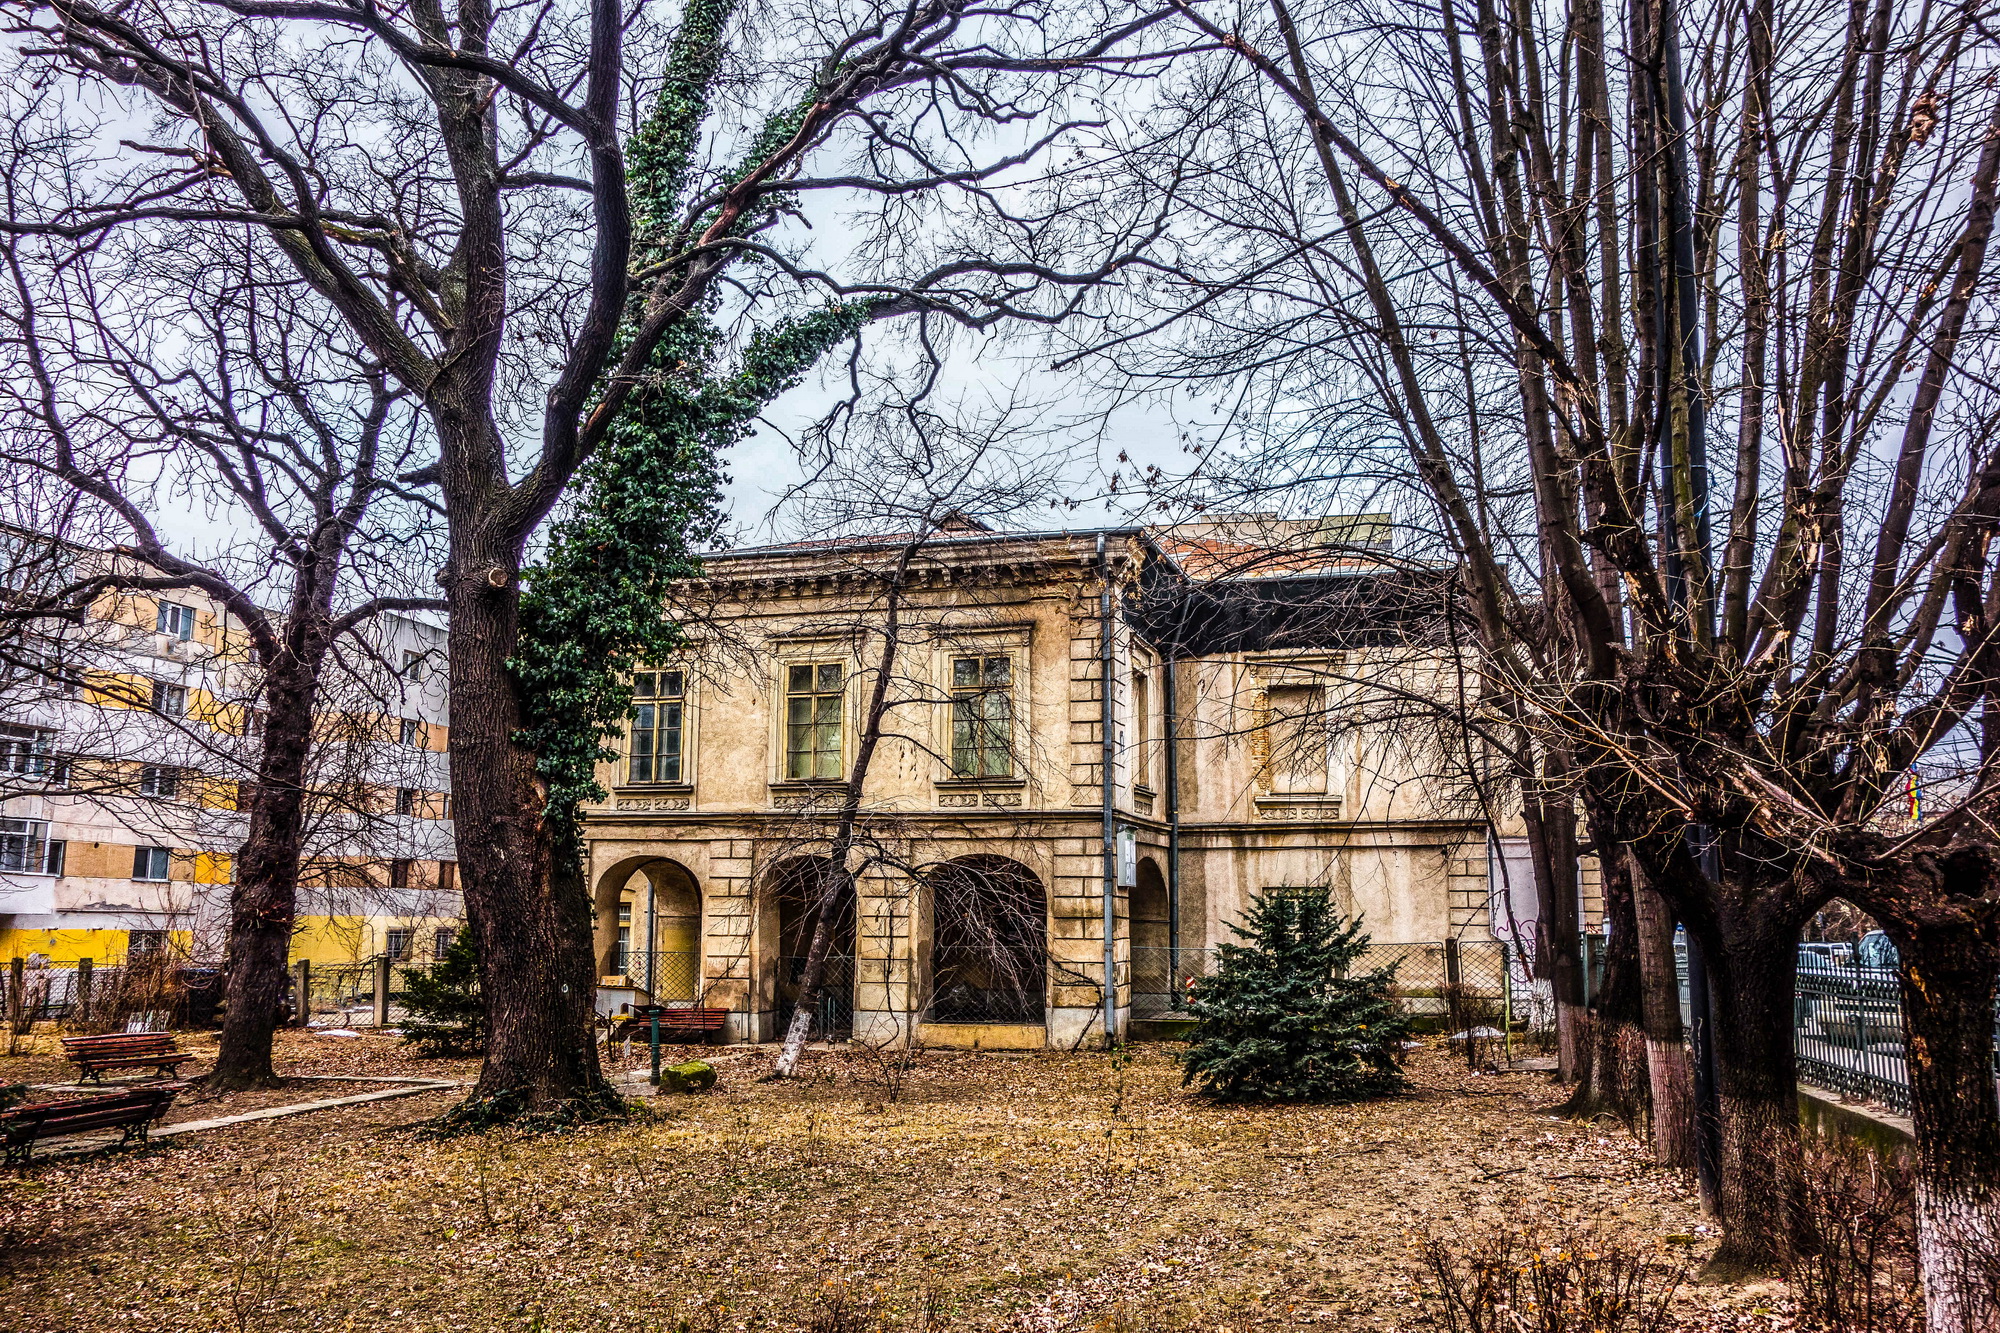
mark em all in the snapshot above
pixel 525 897
pixel 1551 828
pixel 1752 974
pixel 262 902
pixel 1669 1077
pixel 1614 1072
pixel 1950 961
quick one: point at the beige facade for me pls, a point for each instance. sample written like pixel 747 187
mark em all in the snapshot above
pixel 978 849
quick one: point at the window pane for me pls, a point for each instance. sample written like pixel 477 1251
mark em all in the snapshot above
pixel 829 677
pixel 999 670
pixel 672 684
pixel 668 744
pixel 964 737
pixel 644 684
pixel 801 680
pixel 964 672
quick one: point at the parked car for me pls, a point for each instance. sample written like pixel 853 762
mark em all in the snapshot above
pixel 1878 951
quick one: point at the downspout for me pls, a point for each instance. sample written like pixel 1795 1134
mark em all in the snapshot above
pixel 1105 715
pixel 652 938
pixel 1173 738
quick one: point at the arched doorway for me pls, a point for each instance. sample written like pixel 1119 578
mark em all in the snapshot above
pixel 798 890
pixel 649 930
pixel 1153 984
pixel 989 954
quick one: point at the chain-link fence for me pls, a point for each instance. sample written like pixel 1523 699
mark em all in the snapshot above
pixel 671 977
pixel 343 994
pixel 146 992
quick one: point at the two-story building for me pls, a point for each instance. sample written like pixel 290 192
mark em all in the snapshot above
pixel 1083 753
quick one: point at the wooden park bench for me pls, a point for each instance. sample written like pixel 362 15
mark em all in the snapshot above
pixel 124 1050
pixel 133 1110
pixel 674 1024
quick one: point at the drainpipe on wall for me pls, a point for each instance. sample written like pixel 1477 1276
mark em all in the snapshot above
pixel 1105 715
pixel 1173 738
pixel 652 937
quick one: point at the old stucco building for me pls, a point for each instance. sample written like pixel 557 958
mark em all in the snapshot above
pixel 1234 666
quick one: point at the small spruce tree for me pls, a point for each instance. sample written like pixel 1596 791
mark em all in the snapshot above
pixel 1280 1021
pixel 443 1011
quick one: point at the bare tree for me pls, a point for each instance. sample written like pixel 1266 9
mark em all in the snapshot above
pixel 1536 208
pixel 146 375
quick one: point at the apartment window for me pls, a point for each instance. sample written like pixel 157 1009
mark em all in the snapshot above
pixel 149 863
pixel 176 621
pixel 448 876
pixel 441 943
pixel 412 734
pixel 982 717
pixel 621 962
pixel 169 700
pixel 1142 730
pixel 138 943
pixel 814 693
pixel 657 698
pixel 399 873
pixel 156 780
pixel 406 800
pixel 413 664
pixel 27 752
pixel 399 942
pixel 26 849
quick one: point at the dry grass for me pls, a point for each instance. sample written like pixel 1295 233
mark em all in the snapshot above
pixel 1043 1192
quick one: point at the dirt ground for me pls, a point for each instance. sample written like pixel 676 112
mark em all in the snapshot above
pixel 1033 1192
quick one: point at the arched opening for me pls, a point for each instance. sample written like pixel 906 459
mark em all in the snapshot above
pixel 1153 988
pixel 649 930
pixel 989 955
pixel 799 890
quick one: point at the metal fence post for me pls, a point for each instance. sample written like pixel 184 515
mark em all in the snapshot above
pixel 80 1002
pixel 382 990
pixel 302 978
pixel 17 990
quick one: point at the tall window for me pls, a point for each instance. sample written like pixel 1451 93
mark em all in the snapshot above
pixel 814 694
pixel 448 876
pixel 176 621
pixel 406 800
pixel 1142 730
pixel 411 734
pixel 622 961
pixel 169 700
pixel 399 872
pixel 413 664
pixel 657 698
pixel 149 863
pixel 26 849
pixel 982 717
pixel 156 780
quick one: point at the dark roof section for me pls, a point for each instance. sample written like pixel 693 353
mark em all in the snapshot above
pixel 1280 614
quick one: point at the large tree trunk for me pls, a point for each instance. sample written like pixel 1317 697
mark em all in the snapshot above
pixel 1947 929
pixel 1753 966
pixel 1669 1078
pixel 262 903
pixel 1613 1074
pixel 526 898
pixel 1550 821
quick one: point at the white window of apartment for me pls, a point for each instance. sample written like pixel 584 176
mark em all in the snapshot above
pixel 169 700
pixel 982 717
pixel 654 745
pixel 149 863
pixel 27 752
pixel 413 664
pixel 441 943
pixel 158 780
pixel 27 849
pixel 815 693
pixel 412 734
pixel 406 800
pixel 142 942
pixel 176 621
pixel 622 962
pixel 399 943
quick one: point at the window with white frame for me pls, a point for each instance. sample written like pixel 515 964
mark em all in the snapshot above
pixel 982 716
pixel 441 942
pixel 398 942
pixel 413 664
pixel 150 863
pixel 27 752
pixel 27 849
pixel 655 737
pixel 815 700
pixel 411 734
pixel 176 621
pixel 168 700
pixel 406 800
pixel 159 780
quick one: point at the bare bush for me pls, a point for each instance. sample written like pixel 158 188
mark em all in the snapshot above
pixel 1853 1263
pixel 1568 1281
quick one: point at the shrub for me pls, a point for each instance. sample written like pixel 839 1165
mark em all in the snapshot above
pixel 443 1011
pixel 1852 1260
pixel 1280 1019
pixel 1572 1281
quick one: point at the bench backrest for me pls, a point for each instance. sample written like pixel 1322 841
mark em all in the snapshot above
pixel 86 1112
pixel 120 1043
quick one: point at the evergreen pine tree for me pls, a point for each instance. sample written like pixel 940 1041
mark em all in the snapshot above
pixel 1280 1020
pixel 443 1011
